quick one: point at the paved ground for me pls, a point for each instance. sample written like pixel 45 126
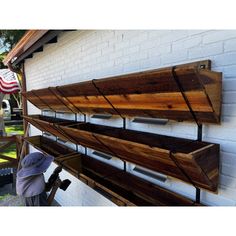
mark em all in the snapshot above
pixel 9 198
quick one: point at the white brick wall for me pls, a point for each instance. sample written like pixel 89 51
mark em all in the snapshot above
pixel 84 55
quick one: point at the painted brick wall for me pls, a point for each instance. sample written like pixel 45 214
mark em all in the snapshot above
pixel 84 55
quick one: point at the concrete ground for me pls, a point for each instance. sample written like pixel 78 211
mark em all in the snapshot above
pixel 8 197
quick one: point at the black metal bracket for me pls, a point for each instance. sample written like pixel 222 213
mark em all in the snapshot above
pixel 76 118
pixel 104 96
pixel 201 65
pixel 58 98
pixel 64 97
pixel 198 196
pixel 118 113
pixel 43 101
pixel 204 64
pixel 199 138
pixel 85 148
pixel 55 116
pixel 124 123
pixel 199 132
pixel 124 127
pixel 42 115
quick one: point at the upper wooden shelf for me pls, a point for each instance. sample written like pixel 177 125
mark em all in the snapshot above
pixel 192 161
pixel 120 187
pixel 184 92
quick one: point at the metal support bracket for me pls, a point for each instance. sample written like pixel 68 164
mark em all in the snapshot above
pixel 124 127
pixel 199 132
pixel 198 195
pixel 199 138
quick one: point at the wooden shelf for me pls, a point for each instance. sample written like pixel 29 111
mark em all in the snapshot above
pixel 188 160
pixel 120 187
pixel 47 124
pixel 49 147
pixel 184 92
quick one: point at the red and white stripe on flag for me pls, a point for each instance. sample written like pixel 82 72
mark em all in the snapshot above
pixel 8 82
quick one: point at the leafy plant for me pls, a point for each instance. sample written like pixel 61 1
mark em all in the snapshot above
pixel 9 38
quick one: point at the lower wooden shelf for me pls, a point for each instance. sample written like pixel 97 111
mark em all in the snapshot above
pixel 191 161
pixel 121 187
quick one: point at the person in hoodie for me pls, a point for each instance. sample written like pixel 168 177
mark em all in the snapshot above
pixel 30 182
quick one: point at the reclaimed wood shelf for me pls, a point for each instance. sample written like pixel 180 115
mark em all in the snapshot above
pixel 191 161
pixel 183 93
pixel 49 146
pixel 120 187
pixel 47 124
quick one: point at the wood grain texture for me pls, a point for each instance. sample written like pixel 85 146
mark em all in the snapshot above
pixel 29 39
pixel 122 188
pixel 47 124
pixel 199 160
pixel 47 146
pixel 153 93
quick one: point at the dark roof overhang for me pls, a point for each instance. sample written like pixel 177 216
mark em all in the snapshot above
pixel 32 42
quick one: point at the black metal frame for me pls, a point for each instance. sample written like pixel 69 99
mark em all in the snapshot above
pixel 199 128
pixel 199 138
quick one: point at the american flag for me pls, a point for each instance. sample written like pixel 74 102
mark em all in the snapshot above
pixel 9 82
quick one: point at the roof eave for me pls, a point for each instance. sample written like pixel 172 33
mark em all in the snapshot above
pixel 27 41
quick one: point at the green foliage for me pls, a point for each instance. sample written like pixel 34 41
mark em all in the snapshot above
pixel 12 130
pixel 2 56
pixel 9 38
pixel 4 196
pixel 10 152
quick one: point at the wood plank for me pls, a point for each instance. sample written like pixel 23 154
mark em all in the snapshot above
pixel 65 101
pixel 210 163
pixel 49 146
pixel 7 138
pixel 153 93
pixel 136 186
pixel 24 44
pixel 213 89
pixel 7 158
pixel 45 38
pixel 152 151
pixel 8 164
pixel 24 112
pixel 19 139
pixel 153 101
pixel 6 145
pixel 51 99
pixel 47 124
pixel 118 186
pixel 30 96
pixel 106 192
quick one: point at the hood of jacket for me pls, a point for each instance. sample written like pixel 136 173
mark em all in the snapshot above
pixel 30 186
